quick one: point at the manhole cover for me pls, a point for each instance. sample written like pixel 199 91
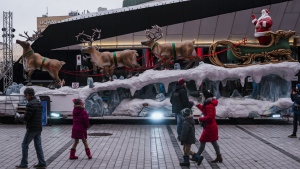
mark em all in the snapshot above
pixel 99 134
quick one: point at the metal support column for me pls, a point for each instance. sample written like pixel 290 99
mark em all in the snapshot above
pixel 7 49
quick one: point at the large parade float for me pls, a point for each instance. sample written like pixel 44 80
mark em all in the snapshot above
pixel 144 91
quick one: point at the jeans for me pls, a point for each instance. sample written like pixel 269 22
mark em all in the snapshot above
pixel 179 120
pixel 36 137
pixel 295 123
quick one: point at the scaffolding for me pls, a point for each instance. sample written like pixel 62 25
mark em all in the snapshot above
pixel 7 49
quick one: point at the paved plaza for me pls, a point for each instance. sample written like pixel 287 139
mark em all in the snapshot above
pixel 155 146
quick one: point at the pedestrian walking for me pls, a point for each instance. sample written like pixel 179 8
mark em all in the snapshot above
pixel 33 120
pixel 187 138
pixel 79 129
pixel 209 124
pixel 295 96
pixel 179 100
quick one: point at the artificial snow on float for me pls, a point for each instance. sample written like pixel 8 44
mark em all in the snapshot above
pixel 228 107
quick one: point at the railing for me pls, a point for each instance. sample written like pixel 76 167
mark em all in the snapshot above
pixel 9 104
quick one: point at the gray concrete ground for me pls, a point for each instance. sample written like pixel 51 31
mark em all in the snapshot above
pixel 155 146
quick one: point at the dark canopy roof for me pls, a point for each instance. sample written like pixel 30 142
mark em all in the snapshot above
pixel 138 19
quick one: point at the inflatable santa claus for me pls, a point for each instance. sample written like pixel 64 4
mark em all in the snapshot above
pixel 262 26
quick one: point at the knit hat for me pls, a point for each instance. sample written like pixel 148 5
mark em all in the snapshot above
pixel 207 94
pixel 186 112
pixel 181 81
pixel 78 102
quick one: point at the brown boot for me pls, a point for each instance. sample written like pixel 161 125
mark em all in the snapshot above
pixel 219 159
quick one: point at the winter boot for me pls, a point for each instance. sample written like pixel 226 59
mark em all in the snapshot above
pixel 72 154
pixel 218 159
pixel 88 153
pixel 194 157
pixel 186 161
pixel 199 158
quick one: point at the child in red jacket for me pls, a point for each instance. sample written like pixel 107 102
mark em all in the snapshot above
pixel 79 129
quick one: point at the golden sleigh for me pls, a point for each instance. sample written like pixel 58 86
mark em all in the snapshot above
pixel 243 54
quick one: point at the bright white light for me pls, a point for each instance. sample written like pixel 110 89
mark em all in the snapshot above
pixel 157 115
pixel 55 114
pixel 276 115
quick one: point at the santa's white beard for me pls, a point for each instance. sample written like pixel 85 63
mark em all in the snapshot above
pixel 263 16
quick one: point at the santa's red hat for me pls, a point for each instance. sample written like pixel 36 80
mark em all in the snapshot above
pixel 267 11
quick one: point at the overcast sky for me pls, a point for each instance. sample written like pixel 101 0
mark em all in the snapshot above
pixel 25 12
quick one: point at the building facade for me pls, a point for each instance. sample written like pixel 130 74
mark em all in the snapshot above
pixel 44 21
pixel 127 3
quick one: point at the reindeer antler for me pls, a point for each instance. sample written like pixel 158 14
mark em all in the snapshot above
pixel 97 31
pixel 38 34
pixel 156 35
pixel 28 38
pixel 90 39
pixel 97 47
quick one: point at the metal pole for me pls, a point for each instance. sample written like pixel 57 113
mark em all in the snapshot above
pixel 7 49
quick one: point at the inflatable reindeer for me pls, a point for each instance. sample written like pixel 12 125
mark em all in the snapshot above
pixel 33 61
pixel 170 51
pixel 108 61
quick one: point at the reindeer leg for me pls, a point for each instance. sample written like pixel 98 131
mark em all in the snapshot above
pixel 57 79
pixel 167 64
pixel 51 85
pixel 196 61
pixel 111 73
pixel 94 69
pixel 105 72
pixel 128 65
pixel 29 78
pixel 51 74
pixel 24 74
pixel 129 72
pixel 189 64
pixel 159 64
pixel 136 65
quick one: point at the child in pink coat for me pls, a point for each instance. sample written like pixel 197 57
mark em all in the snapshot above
pixel 79 129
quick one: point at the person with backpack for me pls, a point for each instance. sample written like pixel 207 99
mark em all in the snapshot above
pixel 179 100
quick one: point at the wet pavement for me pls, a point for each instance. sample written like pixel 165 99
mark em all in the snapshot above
pixel 155 146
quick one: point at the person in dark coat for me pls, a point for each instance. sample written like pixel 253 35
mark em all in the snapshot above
pixel 33 120
pixel 209 124
pixel 187 138
pixel 79 129
pixel 295 96
pixel 179 100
